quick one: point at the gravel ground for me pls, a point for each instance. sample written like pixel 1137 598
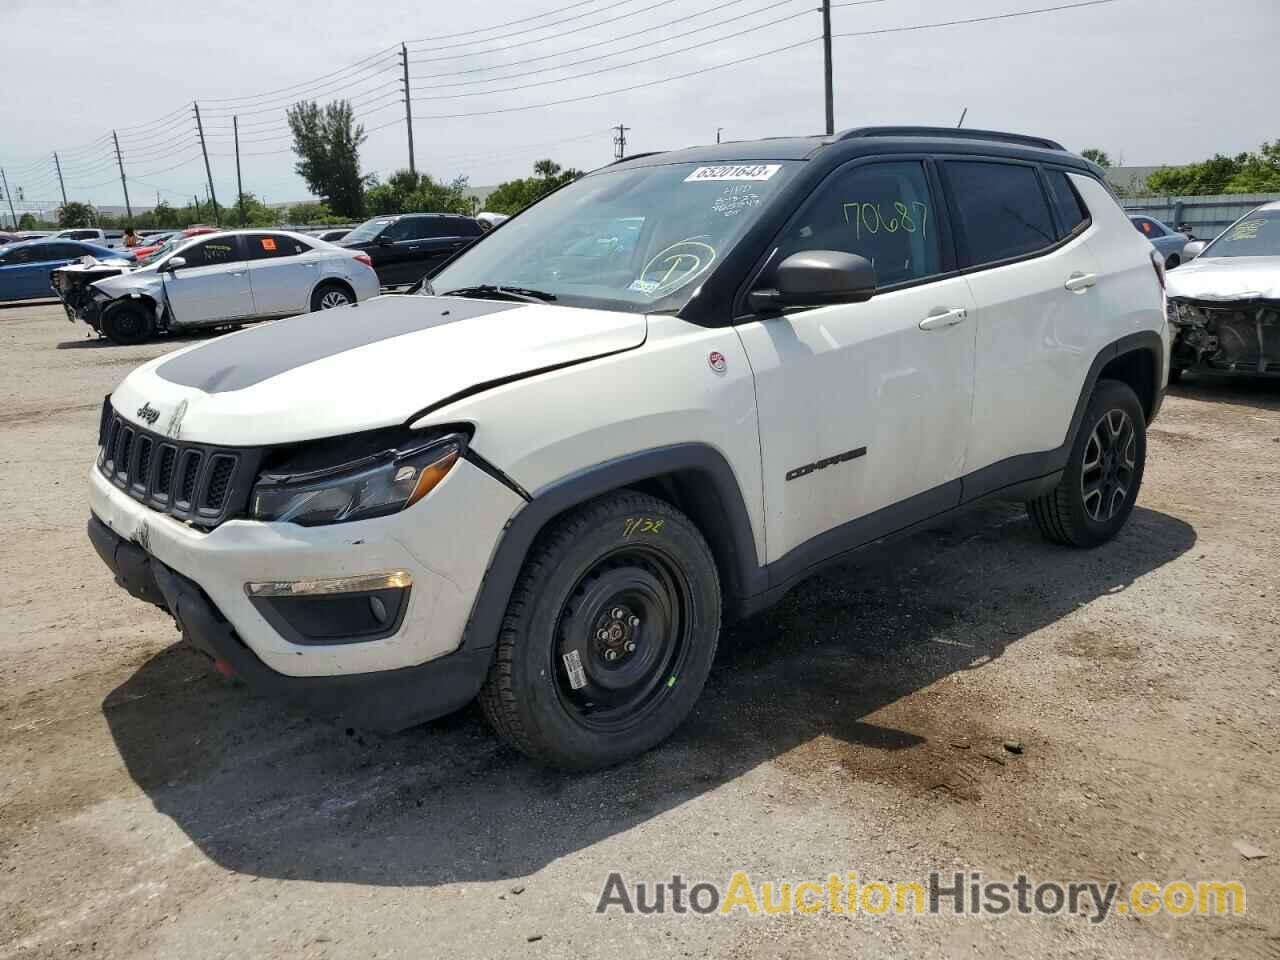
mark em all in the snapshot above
pixel 148 808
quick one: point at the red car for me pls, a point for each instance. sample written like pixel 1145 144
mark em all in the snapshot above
pixel 143 253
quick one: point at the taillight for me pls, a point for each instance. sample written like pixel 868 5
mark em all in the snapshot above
pixel 365 259
pixel 1157 262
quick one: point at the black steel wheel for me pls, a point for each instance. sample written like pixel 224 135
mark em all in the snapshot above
pixel 127 323
pixel 609 634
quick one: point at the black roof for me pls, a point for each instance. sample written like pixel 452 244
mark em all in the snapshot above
pixel 869 140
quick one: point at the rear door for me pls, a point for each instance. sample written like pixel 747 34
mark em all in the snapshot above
pixel 212 286
pixel 282 273
pixel 1037 314
pixel 397 250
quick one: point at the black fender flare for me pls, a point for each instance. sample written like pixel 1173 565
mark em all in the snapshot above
pixel 732 539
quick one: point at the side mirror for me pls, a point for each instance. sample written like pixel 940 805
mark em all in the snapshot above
pixel 816 278
pixel 174 263
pixel 1193 250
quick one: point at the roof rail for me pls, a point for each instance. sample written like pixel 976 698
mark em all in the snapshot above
pixel 950 133
pixel 635 156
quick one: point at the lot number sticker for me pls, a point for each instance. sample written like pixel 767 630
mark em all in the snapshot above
pixel 737 171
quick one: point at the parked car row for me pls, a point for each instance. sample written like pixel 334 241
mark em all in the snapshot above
pixel 26 267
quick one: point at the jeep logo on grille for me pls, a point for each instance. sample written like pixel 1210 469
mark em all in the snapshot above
pixel 148 413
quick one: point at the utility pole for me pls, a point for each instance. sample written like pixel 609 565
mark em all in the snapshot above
pixel 208 172
pixel 195 202
pixel 9 196
pixel 408 106
pixel 123 183
pixel 620 142
pixel 718 129
pixel 62 186
pixel 235 126
pixel 826 66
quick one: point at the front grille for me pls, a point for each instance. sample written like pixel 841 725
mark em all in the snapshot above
pixel 198 483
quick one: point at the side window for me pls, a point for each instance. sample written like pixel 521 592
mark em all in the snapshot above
pixel 467 228
pixel 426 228
pixel 881 211
pixel 211 253
pixel 1148 228
pixel 82 235
pixel 270 246
pixel 1071 211
pixel 400 230
pixel 1001 209
pixel 64 251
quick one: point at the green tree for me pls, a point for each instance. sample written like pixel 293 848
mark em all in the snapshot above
pixel 256 213
pixel 327 141
pixel 75 214
pixel 1097 155
pixel 28 222
pixel 1197 179
pixel 1260 173
pixel 408 192
pixel 514 195
pixel 312 213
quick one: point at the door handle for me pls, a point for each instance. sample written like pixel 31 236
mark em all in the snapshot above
pixel 1080 282
pixel 941 319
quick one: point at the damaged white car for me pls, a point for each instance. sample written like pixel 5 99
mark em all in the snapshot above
pixel 1224 306
pixel 215 280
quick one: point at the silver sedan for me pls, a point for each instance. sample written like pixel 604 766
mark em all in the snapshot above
pixel 218 279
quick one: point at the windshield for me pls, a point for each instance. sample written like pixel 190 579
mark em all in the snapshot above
pixel 1257 235
pixel 638 240
pixel 368 230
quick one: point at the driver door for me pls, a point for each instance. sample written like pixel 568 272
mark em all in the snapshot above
pixel 864 408
pixel 212 286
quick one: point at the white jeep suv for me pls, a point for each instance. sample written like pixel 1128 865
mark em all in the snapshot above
pixel 661 396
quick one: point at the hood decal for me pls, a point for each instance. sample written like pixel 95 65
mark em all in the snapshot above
pixel 236 362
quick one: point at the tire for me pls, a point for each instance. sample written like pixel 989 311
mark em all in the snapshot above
pixel 1175 374
pixel 1100 483
pixel 1173 261
pixel 627 587
pixel 331 294
pixel 128 323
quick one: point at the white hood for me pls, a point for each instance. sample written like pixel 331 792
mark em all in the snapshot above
pixel 1226 278
pixel 361 367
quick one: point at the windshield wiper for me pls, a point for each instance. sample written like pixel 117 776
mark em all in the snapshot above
pixel 510 293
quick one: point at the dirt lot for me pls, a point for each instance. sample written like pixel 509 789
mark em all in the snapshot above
pixel 148 808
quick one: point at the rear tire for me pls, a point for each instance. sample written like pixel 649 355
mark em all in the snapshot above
pixel 1175 374
pixel 128 323
pixel 331 294
pixel 609 634
pixel 1100 483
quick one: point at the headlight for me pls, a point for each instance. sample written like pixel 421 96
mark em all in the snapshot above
pixel 371 487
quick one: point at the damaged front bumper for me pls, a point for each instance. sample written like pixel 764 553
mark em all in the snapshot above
pixel 74 287
pixel 1226 337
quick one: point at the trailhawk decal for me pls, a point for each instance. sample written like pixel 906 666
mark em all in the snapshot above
pixel 248 358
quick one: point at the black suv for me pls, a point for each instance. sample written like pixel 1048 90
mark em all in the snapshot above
pixel 408 247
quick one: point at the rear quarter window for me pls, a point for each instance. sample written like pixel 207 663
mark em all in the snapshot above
pixel 1072 214
pixel 1002 211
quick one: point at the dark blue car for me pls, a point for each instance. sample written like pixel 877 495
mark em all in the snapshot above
pixel 25 267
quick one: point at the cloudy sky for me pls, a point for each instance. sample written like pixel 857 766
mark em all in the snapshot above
pixel 1151 82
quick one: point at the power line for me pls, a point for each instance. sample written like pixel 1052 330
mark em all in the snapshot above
pixel 545 26
pixel 302 83
pixel 561 66
pixel 621 66
pixel 509 23
pixel 987 19
pixel 607 93
pixel 525 43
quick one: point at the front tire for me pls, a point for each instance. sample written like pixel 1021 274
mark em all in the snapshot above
pixel 128 323
pixel 609 634
pixel 1100 483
